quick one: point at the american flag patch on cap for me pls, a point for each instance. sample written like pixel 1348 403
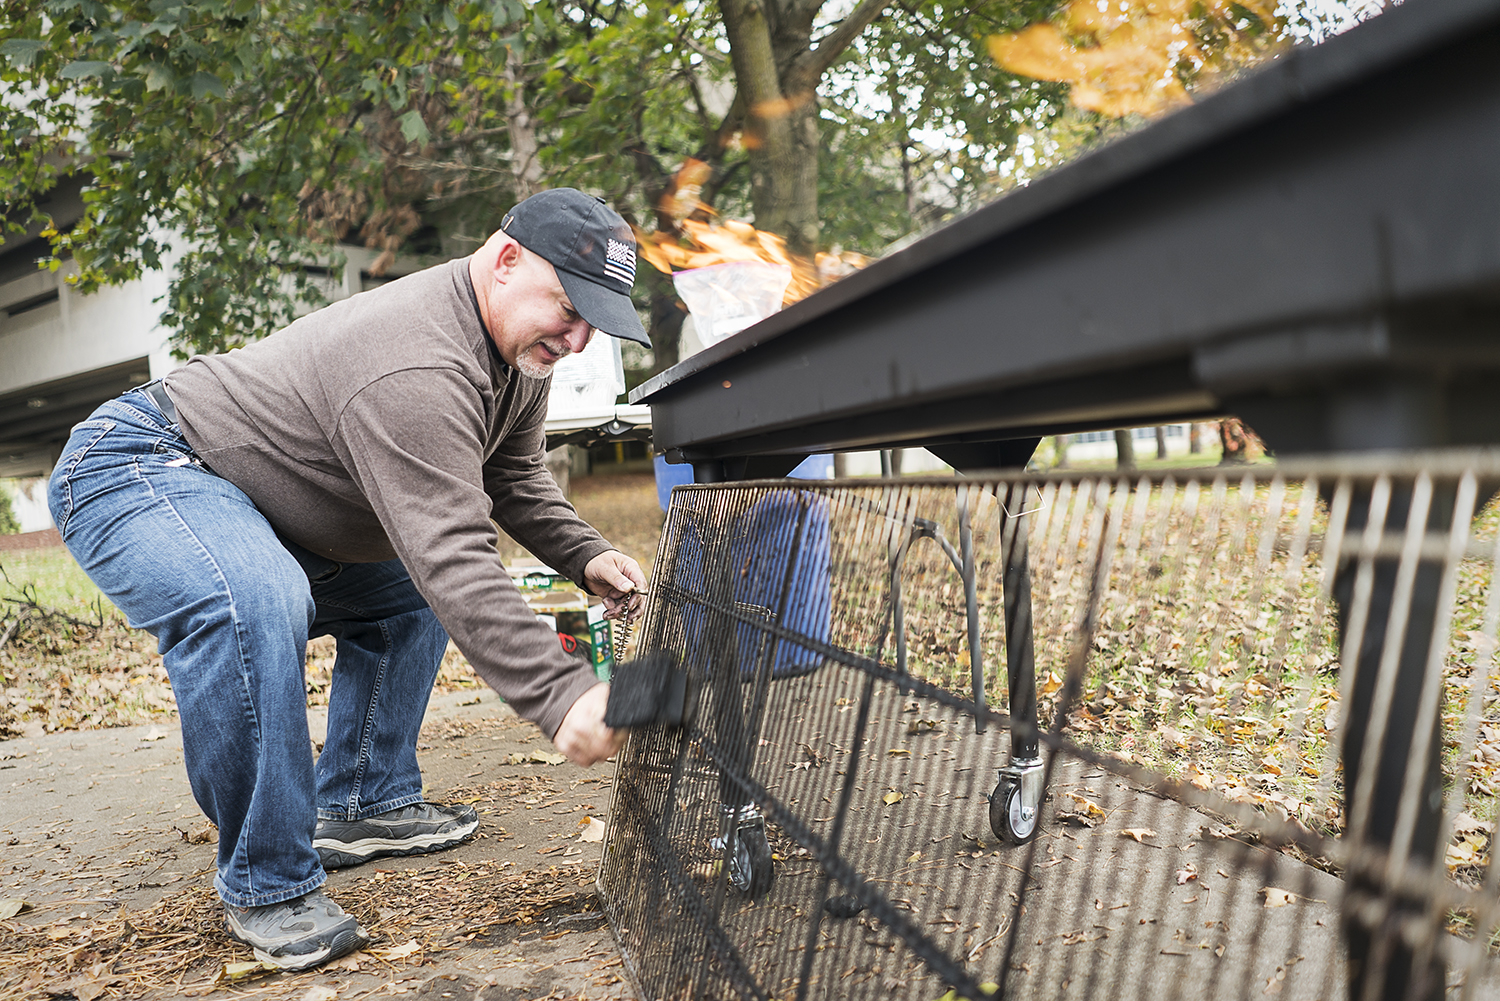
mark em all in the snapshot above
pixel 619 261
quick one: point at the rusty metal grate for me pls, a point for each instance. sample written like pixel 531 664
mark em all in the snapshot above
pixel 849 811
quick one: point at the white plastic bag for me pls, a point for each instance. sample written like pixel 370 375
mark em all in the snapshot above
pixel 726 298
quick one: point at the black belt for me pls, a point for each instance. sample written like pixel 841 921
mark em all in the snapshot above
pixel 158 392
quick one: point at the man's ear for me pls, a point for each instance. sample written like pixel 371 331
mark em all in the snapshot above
pixel 507 261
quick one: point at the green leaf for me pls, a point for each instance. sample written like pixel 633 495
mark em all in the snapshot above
pixel 206 83
pixel 159 77
pixel 21 51
pixel 81 68
pixel 413 128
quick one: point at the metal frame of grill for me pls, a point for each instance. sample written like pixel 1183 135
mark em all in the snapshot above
pixel 761 850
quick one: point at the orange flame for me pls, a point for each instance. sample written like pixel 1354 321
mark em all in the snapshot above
pixel 734 240
pixel 706 243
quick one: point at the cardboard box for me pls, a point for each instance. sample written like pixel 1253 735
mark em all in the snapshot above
pixel 579 616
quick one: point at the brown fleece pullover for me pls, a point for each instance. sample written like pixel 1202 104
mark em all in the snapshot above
pixel 386 425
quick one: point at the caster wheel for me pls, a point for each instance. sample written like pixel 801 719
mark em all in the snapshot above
pixel 751 868
pixel 1006 818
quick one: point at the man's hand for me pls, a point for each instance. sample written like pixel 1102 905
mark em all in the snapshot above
pixel 617 579
pixel 583 737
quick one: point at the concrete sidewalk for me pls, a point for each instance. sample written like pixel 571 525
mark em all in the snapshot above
pixel 101 824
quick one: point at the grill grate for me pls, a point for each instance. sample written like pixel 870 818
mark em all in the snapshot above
pixel 849 812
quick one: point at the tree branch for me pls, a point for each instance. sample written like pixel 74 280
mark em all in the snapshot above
pixel 807 69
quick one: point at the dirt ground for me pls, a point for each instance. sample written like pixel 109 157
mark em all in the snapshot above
pixel 113 861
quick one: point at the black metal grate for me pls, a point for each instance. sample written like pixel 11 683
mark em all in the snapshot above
pixel 823 826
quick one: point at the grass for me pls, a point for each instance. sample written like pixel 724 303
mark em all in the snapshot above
pixel 58 580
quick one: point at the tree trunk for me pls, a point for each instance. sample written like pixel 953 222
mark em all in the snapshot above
pixel 1161 442
pixel 1061 450
pixel 666 320
pixel 1195 438
pixel 524 165
pixel 1124 449
pixel 777 72
pixel 1234 442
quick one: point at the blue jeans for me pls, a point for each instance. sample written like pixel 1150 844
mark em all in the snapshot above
pixel 186 555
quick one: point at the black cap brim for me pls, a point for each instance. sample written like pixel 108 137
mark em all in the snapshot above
pixel 611 312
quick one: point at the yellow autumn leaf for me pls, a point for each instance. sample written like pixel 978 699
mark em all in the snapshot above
pixel 1137 834
pixel 1088 806
pixel 235 972
pixel 897 752
pixel 891 797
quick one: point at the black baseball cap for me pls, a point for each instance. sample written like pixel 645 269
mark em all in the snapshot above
pixel 592 250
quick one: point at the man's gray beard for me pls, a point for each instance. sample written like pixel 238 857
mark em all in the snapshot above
pixel 533 369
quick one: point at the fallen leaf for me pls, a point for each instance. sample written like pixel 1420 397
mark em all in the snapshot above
pixel 593 830
pixel 11 907
pixel 898 751
pixel 1183 875
pixel 87 990
pixel 545 758
pixel 319 992
pixel 155 733
pixel 1277 897
pixel 349 963
pixel 395 952
pixel 206 835
pixel 1138 834
pixel 1467 824
pixel 914 857
pixel 233 973
pixel 1087 806
pixel 891 798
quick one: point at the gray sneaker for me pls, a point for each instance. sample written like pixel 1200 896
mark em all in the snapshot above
pixel 410 830
pixel 296 934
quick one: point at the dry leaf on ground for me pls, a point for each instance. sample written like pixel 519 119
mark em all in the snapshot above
pixel 1276 897
pixel 1137 834
pixel 233 973
pixel 394 952
pixel 891 798
pixel 592 830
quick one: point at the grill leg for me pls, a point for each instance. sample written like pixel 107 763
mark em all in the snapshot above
pixel 1016 803
pixel 1381 964
pixel 1020 648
